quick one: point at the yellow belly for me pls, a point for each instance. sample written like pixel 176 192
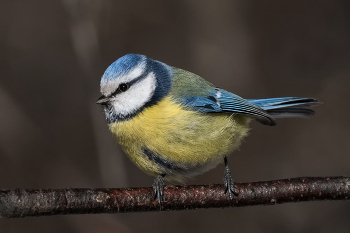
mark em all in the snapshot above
pixel 194 141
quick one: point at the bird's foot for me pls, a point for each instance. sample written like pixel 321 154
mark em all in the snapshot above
pixel 158 188
pixel 229 182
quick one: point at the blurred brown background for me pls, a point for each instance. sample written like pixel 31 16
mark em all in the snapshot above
pixel 53 135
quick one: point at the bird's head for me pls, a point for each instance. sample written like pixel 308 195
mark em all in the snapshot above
pixel 132 83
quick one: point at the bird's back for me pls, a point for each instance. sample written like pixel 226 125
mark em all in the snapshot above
pixel 186 84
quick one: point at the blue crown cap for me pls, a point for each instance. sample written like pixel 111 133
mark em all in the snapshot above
pixel 121 66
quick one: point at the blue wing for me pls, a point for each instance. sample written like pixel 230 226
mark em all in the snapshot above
pixel 223 101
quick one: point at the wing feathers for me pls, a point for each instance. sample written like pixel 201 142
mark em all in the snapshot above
pixel 223 101
pixel 263 110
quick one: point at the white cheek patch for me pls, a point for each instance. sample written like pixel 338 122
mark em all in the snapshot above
pixel 135 97
pixel 110 86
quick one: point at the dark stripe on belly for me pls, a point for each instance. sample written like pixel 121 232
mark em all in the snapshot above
pixel 162 162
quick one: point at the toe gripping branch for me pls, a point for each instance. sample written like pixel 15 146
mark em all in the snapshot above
pixel 158 188
pixel 228 181
pixel 158 185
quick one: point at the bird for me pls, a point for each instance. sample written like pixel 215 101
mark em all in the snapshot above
pixel 174 125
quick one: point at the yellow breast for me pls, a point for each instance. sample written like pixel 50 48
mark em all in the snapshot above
pixel 189 139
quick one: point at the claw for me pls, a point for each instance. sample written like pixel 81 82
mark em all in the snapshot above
pixel 229 182
pixel 158 188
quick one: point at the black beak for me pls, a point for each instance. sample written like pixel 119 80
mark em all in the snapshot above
pixel 103 100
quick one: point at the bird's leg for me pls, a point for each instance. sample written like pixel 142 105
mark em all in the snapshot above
pixel 228 181
pixel 158 188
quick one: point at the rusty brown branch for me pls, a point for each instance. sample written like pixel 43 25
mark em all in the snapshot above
pixel 16 203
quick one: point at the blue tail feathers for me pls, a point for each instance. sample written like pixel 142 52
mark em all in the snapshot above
pixel 287 106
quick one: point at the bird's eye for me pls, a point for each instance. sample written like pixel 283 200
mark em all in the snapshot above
pixel 123 87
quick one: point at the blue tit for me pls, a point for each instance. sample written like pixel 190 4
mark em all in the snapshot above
pixel 173 124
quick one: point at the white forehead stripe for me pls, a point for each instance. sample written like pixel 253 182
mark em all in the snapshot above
pixel 134 73
pixel 110 86
pixel 136 96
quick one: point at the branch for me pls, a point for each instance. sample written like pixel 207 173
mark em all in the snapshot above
pixel 16 203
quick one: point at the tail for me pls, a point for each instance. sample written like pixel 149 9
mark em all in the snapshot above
pixel 287 106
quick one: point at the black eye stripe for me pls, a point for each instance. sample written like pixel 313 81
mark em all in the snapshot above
pixel 129 84
pixel 121 88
